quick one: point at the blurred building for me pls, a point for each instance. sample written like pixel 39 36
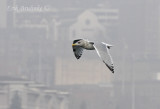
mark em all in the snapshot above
pixel 16 93
pixel 3 14
pixel 60 27
pixel 137 94
pixel 88 26
pixel 25 56
pixel 36 45
pixel 95 24
pixel 92 97
pixel 152 26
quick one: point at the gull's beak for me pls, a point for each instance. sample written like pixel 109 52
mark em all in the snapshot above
pixel 74 44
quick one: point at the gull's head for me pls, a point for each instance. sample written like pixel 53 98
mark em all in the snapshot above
pixel 78 42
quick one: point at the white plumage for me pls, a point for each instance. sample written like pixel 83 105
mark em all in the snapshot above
pixel 101 48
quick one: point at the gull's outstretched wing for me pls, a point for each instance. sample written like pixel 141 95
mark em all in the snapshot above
pixel 77 51
pixel 103 53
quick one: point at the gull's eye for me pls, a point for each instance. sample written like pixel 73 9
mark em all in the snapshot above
pixel 79 42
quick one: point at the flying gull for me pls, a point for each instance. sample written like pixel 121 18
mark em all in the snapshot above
pixel 101 48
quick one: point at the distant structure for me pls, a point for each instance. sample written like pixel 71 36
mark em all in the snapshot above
pixel 64 25
pixel 3 14
pixel 30 95
pixel 87 25
pixel 35 63
pixel 94 23
pixel 152 28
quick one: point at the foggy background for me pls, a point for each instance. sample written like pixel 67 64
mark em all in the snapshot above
pixel 38 69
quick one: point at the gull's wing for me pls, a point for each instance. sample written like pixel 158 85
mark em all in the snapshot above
pixel 103 53
pixel 77 51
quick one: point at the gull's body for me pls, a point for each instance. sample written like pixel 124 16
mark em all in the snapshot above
pixel 102 50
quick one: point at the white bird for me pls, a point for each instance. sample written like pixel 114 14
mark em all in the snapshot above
pixel 101 48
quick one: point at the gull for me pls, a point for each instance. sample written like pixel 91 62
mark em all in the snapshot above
pixel 101 48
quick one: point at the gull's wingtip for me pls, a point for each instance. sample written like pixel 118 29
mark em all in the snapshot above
pixel 111 68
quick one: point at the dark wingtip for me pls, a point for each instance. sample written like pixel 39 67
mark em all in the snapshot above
pixel 78 57
pixel 110 68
